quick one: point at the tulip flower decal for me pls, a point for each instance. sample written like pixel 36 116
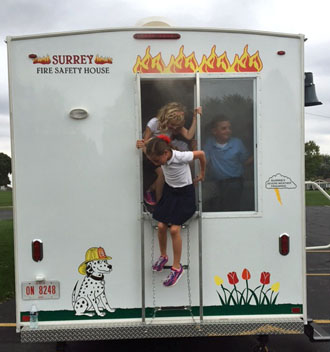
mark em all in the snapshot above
pixel 265 278
pixel 219 282
pixel 258 296
pixel 232 278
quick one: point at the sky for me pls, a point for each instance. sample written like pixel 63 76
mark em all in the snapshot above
pixel 22 17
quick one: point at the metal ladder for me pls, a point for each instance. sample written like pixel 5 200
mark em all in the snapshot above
pixel 143 214
pixel 186 267
pixel 146 216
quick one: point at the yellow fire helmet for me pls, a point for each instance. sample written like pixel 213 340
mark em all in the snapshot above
pixel 93 253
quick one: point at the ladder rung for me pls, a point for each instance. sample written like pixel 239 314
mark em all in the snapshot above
pixel 183 266
pixel 173 308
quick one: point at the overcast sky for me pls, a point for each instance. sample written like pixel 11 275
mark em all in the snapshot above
pixel 20 17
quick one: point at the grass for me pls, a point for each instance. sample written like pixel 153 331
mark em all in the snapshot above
pixel 316 198
pixel 7 273
pixel 6 199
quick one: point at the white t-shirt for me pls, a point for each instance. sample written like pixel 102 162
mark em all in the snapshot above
pixel 177 170
pixel 153 125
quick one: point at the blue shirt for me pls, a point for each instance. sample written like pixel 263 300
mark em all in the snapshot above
pixel 225 161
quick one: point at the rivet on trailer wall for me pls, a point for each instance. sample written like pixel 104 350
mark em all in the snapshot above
pixel 78 114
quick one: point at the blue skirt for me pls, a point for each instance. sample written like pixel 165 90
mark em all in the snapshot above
pixel 176 206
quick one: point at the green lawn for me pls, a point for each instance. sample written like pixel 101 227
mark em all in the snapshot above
pixel 316 198
pixel 7 276
pixel 6 199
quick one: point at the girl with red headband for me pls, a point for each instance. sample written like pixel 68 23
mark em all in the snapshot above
pixel 169 121
pixel 177 204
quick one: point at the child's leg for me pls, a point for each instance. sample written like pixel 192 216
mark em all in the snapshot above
pixel 162 238
pixel 177 245
pixel 159 183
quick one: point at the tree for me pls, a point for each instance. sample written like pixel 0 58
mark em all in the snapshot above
pixel 5 169
pixel 312 160
pixel 324 169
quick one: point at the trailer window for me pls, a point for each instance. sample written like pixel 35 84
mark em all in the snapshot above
pixel 227 137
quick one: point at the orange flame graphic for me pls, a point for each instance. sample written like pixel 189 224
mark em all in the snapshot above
pixel 214 63
pixel 189 64
pixel 100 60
pixel 182 63
pixel 149 64
pixel 247 63
pixel 45 60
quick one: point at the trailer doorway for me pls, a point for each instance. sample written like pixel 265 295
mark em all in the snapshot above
pixel 155 93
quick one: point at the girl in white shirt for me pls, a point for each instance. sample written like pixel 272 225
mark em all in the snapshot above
pixel 177 203
pixel 170 121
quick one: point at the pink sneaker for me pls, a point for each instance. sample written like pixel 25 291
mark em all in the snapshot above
pixel 160 263
pixel 149 198
pixel 173 277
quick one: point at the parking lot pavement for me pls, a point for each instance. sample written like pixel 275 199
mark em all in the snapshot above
pixel 6 213
pixel 318 294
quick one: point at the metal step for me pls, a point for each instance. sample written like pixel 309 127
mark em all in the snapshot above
pixel 315 332
pixel 185 267
pixel 171 308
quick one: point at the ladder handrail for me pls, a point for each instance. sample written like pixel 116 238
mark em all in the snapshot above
pixel 327 196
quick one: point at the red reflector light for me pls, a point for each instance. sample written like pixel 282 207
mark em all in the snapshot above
pixel 157 36
pixel 37 250
pixel 281 52
pixel 296 310
pixel 284 244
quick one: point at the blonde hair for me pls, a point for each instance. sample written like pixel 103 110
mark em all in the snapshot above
pixel 171 112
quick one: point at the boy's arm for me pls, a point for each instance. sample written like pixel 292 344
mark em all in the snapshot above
pixel 200 155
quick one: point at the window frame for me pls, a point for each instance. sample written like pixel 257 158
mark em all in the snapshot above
pixel 198 77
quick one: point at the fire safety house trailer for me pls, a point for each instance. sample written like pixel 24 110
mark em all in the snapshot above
pixel 84 239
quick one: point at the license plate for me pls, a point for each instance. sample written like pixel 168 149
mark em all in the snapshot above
pixel 40 290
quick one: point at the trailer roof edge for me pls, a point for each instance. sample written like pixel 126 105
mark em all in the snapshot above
pixel 158 29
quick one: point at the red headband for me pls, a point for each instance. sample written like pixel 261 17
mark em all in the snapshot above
pixel 165 138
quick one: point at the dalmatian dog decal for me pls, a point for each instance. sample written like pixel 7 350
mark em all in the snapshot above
pixel 91 297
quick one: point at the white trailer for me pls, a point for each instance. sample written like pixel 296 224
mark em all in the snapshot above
pixel 78 103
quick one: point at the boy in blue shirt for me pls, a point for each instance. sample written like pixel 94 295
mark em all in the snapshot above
pixel 226 157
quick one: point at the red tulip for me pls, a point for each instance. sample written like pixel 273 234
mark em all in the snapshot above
pixel 246 274
pixel 265 278
pixel 232 278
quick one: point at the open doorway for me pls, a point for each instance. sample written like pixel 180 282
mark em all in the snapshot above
pixel 156 93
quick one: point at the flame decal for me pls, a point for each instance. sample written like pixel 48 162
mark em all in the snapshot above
pixel 215 63
pixel 100 60
pixel 45 60
pixel 189 64
pixel 182 63
pixel 149 64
